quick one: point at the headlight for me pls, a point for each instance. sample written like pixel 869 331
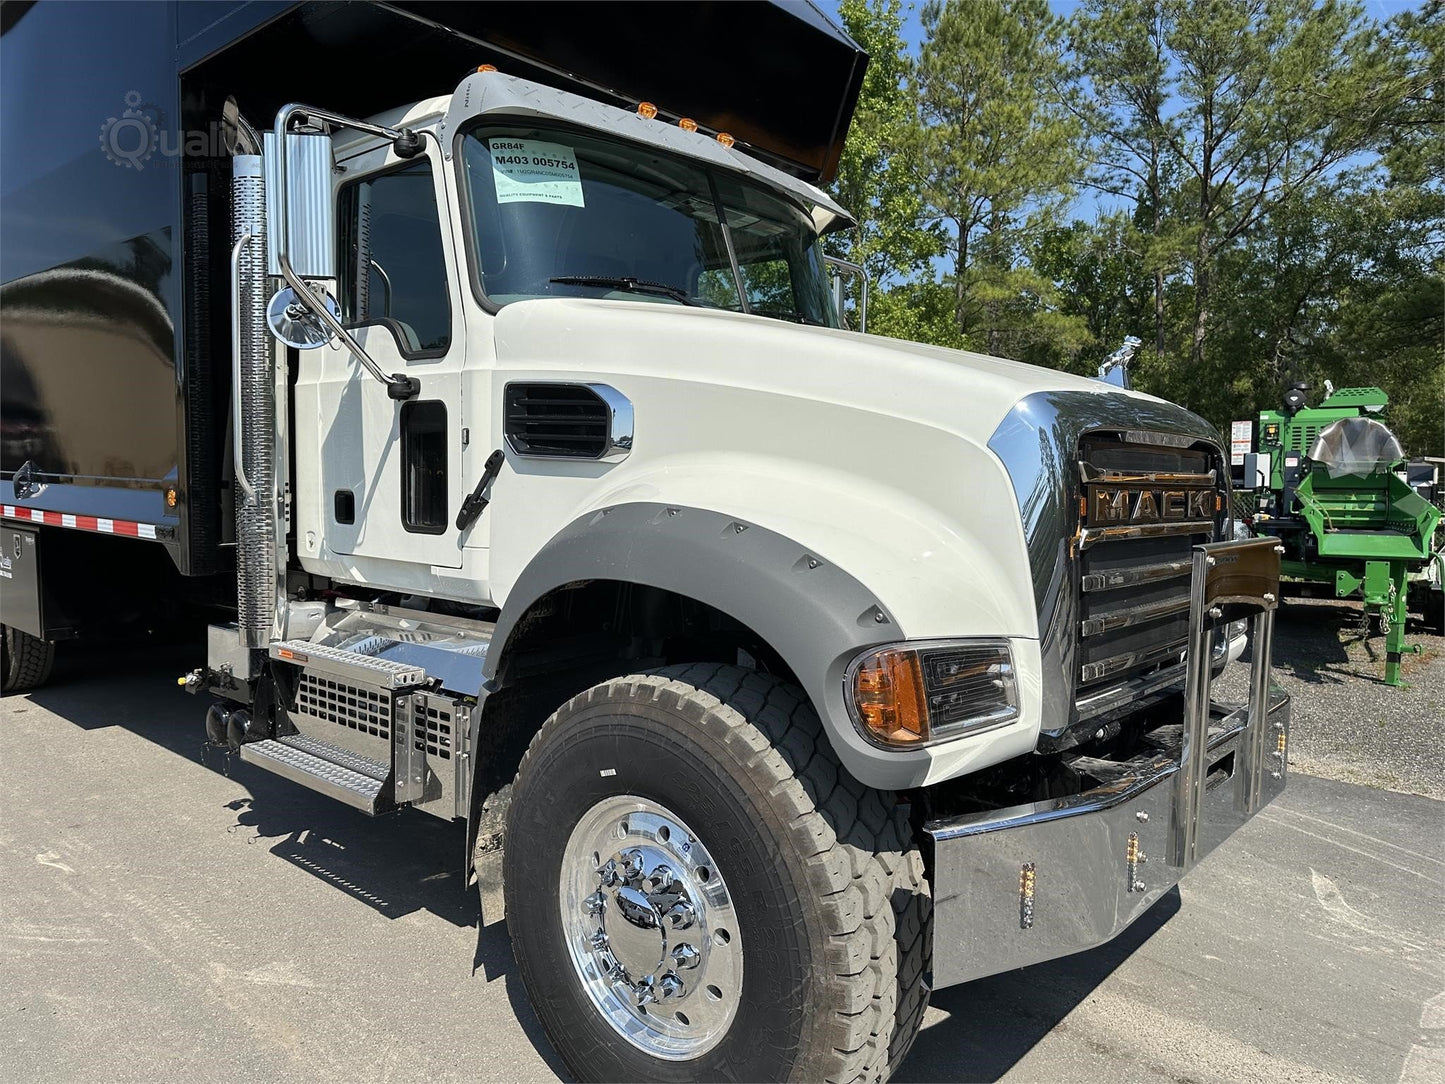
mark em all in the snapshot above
pixel 910 694
pixel 1225 640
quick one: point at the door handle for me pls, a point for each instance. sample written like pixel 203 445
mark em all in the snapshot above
pixel 477 500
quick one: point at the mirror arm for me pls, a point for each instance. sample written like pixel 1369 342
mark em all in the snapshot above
pixel 398 386
pixel 854 269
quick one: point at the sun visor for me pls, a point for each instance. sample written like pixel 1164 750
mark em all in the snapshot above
pixel 779 77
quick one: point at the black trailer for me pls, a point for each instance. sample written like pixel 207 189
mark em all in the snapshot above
pixel 114 193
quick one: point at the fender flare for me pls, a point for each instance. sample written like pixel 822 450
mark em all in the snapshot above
pixel 815 615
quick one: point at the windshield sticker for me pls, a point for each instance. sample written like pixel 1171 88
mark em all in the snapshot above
pixel 534 171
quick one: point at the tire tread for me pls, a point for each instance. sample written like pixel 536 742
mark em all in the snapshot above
pixel 28 660
pixel 855 843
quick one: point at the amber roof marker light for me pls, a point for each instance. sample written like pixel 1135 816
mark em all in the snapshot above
pixel 647 111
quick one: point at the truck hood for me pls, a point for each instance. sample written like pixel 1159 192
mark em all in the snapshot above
pixel 956 391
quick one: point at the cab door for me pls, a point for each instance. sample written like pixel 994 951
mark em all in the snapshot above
pixel 391 472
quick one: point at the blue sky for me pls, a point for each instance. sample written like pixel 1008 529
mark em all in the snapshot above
pixel 1087 202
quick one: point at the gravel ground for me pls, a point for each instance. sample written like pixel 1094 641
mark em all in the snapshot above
pixel 1348 724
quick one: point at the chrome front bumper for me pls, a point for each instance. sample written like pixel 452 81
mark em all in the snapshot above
pixel 1034 882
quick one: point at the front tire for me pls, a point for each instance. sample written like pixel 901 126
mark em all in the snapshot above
pixel 786 962
pixel 25 660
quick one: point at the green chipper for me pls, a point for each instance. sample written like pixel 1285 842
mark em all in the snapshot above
pixel 1354 513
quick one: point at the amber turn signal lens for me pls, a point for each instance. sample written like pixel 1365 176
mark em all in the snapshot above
pixel 888 689
pixel 646 110
pixel 923 691
pixel 170 498
pixel 725 139
pixel 687 124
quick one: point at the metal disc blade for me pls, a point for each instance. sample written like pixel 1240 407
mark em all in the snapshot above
pixel 295 324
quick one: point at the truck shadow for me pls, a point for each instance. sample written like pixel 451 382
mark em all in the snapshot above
pixel 992 1023
pixel 1312 640
pixel 397 864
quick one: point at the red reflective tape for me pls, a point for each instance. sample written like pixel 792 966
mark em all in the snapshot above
pixel 97 524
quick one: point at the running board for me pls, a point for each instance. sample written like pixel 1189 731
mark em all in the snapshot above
pixel 358 667
pixel 358 781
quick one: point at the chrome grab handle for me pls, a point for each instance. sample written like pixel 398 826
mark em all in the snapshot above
pixel 237 447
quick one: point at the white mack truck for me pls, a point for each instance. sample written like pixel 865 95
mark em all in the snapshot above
pixel 781 673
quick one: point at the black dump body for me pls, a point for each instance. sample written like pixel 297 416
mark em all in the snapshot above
pixel 114 181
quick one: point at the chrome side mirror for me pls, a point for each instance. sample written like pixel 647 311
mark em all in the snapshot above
pixel 295 323
pixel 838 268
pixel 301 189
pixel 305 238
pixel 301 225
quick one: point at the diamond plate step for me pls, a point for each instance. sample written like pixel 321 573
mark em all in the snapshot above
pixel 354 780
pixel 348 665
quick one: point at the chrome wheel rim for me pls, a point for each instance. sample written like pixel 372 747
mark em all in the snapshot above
pixel 651 928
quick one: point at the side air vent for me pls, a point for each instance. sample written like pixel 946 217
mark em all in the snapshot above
pixel 568 421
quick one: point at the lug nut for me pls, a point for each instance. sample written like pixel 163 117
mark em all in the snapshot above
pixel 632 865
pixel 643 993
pixel 686 956
pixel 661 878
pixel 681 915
pixel 669 986
pixel 595 904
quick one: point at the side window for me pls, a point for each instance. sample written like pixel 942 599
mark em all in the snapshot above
pixel 392 268
pixel 424 466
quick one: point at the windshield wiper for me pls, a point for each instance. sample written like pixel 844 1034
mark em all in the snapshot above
pixel 789 314
pixel 640 286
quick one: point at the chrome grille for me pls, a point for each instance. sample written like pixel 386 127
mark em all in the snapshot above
pixel 1142 509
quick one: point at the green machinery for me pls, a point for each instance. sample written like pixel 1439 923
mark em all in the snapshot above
pixel 1332 483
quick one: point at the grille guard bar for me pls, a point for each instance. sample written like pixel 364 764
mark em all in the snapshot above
pixel 1034 882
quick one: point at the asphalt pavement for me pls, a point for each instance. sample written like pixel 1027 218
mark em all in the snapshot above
pixel 161 919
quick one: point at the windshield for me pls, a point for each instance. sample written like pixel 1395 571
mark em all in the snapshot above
pixel 556 213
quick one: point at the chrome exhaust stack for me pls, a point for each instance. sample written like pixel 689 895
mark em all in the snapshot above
pixel 253 399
